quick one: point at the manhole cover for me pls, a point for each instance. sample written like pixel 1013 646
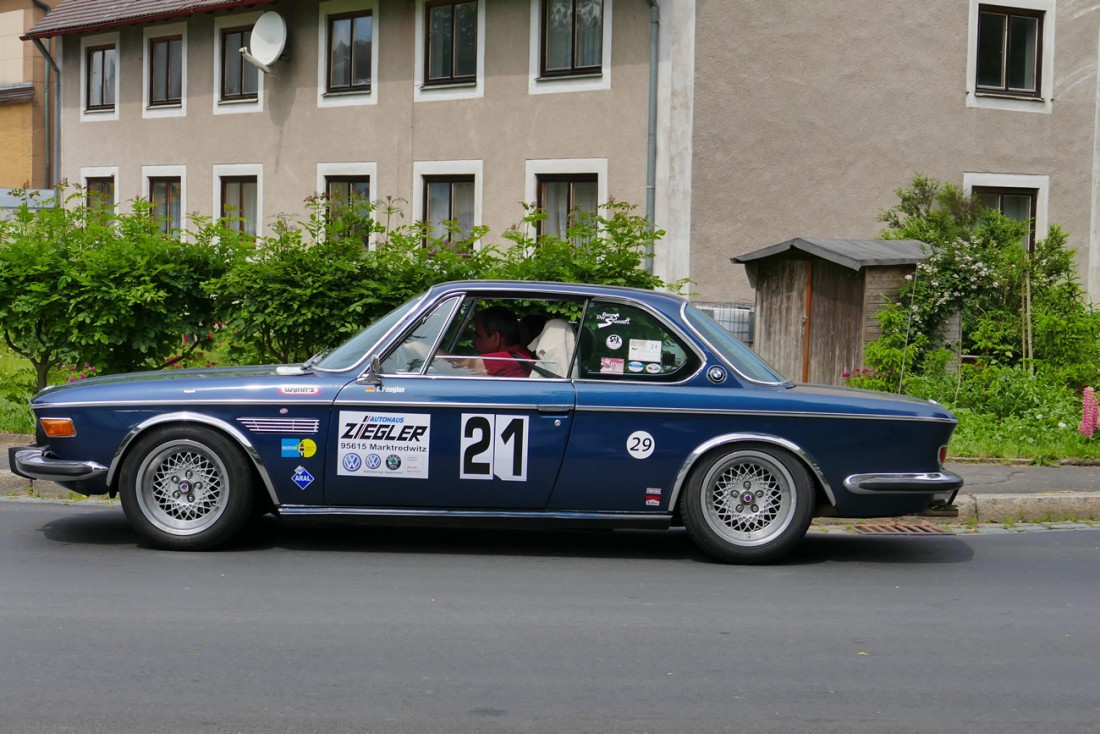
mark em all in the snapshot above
pixel 900 528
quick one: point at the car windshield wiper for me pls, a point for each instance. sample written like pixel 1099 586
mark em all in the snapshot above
pixel 316 358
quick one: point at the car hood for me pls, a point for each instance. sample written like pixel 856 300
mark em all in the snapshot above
pixel 217 382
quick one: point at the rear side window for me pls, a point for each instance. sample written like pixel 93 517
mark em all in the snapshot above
pixel 622 342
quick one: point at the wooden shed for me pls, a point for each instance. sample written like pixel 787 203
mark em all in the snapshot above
pixel 817 301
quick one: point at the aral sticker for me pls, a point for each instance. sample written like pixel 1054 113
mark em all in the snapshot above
pixel 383 444
pixel 645 350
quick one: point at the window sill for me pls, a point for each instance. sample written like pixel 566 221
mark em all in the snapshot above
pixel 447 85
pixel 245 101
pixel 566 77
pixel 349 93
pixel 167 106
pixel 1003 95
pixel 100 111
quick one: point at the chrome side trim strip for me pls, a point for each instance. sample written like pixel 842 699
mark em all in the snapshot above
pixel 904 483
pixel 731 438
pixel 652 518
pixel 489 405
pixel 185 401
pixel 188 417
pixel 280 425
pixel 765 413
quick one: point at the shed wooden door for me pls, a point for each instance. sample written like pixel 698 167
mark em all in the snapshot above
pixel 809 321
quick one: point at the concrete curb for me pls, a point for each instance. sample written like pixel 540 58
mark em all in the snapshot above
pixel 1051 506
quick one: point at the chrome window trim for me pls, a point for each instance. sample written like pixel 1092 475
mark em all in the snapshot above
pixel 718 354
pixel 188 417
pixel 732 438
pixel 415 310
pixel 687 339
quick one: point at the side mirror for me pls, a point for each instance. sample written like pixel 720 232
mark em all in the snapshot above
pixel 373 375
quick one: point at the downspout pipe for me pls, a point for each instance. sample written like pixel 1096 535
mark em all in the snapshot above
pixel 48 112
pixel 651 143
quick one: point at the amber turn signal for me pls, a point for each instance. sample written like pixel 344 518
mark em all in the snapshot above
pixel 58 427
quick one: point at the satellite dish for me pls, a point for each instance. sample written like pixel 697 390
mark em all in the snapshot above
pixel 267 42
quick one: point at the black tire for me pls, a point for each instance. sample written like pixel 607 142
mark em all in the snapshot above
pixel 186 488
pixel 749 503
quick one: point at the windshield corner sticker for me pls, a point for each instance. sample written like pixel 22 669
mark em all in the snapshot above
pixel 640 445
pixel 299 389
pixel 644 350
pixel 298 448
pixel 302 477
pixel 384 445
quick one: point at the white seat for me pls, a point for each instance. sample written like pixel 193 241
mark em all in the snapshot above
pixel 553 348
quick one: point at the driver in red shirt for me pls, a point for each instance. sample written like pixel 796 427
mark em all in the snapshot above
pixel 496 339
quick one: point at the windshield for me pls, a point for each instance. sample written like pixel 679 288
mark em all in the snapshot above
pixel 351 352
pixel 740 357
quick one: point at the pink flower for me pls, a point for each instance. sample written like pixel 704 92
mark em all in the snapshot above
pixel 1089 413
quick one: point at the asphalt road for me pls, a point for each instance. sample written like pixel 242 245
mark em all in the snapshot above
pixel 321 628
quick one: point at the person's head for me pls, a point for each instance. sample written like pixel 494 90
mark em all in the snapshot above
pixel 530 326
pixel 495 329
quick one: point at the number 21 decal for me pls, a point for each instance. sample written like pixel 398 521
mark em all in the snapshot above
pixel 494 446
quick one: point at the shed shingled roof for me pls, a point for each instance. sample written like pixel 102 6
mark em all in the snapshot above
pixel 83 16
pixel 854 254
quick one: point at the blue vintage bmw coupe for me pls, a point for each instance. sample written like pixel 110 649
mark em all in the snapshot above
pixel 618 408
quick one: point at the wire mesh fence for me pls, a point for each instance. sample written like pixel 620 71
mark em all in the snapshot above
pixel 738 319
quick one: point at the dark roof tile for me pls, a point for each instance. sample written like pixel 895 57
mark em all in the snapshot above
pixel 82 16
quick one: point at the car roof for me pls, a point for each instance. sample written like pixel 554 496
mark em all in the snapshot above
pixel 654 298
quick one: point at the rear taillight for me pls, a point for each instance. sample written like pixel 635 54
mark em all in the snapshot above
pixel 943 455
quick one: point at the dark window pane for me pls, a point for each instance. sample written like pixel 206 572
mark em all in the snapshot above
pixel 160 72
pixel 466 40
pixel 362 52
pixel 440 40
pixel 559 34
pixel 589 33
pixel 1023 40
pixel 95 79
pixel 340 54
pixel 991 49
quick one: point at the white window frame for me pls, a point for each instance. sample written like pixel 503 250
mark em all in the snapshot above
pixel 467 90
pixel 1039 183
pixel 240 169
pixel 556 85
pixel 447 168
pixel 180 172
pixel 87 172
pixel 150 34
pixel 345 99
pixel 564 166
pixel 234 107
pixel 102 39
pixel 993 101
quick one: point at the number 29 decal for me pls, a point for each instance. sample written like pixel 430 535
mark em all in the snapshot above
pixel 493 446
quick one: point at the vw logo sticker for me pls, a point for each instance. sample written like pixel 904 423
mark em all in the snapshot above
pixel 352 462
pixel 374 461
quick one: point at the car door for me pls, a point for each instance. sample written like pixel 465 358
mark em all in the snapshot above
pixel 430 432
pixel 633 426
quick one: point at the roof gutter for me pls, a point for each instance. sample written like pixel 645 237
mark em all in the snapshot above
pixel 651 142
pixel 139 19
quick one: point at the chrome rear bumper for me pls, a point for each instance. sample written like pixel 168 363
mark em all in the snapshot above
pixel 904 483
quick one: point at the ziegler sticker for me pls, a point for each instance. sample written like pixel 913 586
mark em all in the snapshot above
pixel 384 445
pixel 493 446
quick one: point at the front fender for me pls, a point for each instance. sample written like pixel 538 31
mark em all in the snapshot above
pixel 186 417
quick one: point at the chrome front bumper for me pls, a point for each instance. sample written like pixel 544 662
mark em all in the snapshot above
pixel 31 462
pixel 904 483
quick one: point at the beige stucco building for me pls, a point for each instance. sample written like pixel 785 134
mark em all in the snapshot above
pixel 771 120
pixel 25 145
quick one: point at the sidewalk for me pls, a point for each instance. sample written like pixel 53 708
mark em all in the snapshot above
pixel 992 493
